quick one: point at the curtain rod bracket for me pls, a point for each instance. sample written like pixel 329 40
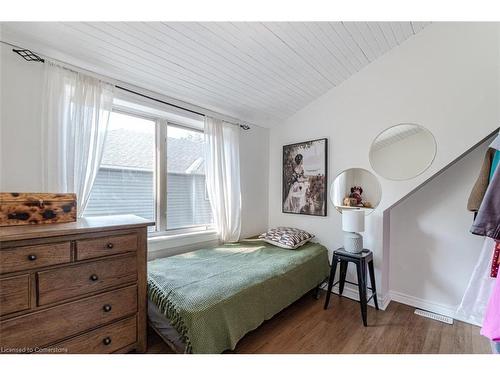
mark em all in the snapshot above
pixel 28 55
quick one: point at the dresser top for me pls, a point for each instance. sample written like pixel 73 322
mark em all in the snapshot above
pixel 82 225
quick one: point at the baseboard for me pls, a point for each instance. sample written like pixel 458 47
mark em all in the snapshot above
pixel 435 307
pixel 384 301
pixel 352 293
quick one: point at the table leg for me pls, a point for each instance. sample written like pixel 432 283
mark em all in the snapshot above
pixel 372 282
pixel 343 273
pixel 361 270
pixel 333 269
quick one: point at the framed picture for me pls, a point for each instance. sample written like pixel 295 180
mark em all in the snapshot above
pixel 305 178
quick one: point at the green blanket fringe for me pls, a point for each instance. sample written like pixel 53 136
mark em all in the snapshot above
pixel 167 308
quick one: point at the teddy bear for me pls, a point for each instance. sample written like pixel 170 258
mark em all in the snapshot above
pixel 356 192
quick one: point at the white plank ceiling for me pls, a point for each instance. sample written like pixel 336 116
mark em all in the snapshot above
pixel 260 72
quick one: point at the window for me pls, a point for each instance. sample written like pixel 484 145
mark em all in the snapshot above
pixel 140 143
pixel 125 182
pixel 186 203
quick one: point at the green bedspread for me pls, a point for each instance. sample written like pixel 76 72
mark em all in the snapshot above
pixel 213 297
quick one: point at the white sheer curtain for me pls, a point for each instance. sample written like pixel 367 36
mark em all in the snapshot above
pixel 74 122
pixel 222 170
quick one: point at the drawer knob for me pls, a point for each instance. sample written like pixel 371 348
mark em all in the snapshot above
pixel 109 245
pixel 32 257
pixel 106 341
pixel 94 277
pixel 106 308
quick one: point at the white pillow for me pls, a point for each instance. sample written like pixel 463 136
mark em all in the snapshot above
pixel 285 237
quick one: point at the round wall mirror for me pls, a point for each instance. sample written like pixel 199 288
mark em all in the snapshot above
pixel 403 151
pixel 356 188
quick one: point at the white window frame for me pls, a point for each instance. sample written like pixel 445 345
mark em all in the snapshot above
pixel 160 179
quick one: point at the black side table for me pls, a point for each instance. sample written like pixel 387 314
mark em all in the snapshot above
pixel 361 260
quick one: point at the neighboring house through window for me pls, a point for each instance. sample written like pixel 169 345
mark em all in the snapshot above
pixel 186 204
pixel 140 143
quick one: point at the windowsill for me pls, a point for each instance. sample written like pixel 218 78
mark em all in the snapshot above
pixel 172 237
pixel 160 243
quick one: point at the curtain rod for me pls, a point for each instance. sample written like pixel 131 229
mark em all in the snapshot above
pixel 242 126
pixel 159 100
pixel 29 55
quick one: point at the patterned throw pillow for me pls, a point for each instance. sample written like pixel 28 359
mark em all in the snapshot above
pixel 287 238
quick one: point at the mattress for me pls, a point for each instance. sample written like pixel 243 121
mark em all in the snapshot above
pixel 213 297
pixel 165 329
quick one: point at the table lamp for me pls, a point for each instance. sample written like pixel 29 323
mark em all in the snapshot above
pixel 353 221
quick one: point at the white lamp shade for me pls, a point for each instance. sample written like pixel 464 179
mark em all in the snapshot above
pixel 353 220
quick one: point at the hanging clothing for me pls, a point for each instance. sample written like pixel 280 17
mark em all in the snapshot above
pixel 496 142
pixel 487 222
pixel 479 190
pixel 495 263
pixel 475 300
pixel 482 296
pixel 491 323
pixel 494 163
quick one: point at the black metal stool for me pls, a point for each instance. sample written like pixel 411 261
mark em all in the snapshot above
pixel 361 260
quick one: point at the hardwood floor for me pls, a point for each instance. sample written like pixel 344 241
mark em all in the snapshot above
pixel 305 328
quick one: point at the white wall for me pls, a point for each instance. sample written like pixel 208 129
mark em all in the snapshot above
pixel 432 252
pixel 20 110
pixel 20 135
pixel 445 78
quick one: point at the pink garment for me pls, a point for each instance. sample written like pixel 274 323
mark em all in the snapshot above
pixel 495 263
pixel 491 323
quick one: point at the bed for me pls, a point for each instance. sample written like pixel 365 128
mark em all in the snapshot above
pixel 205 301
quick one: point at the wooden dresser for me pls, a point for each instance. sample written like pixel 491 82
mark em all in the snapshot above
pixel 75 287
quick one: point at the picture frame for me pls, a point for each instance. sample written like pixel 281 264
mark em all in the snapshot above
pixel 305 178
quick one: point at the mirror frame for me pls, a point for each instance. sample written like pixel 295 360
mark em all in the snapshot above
pixel 418 174
pixel 367 211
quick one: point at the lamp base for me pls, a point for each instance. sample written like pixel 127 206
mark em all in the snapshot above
pixel 353 242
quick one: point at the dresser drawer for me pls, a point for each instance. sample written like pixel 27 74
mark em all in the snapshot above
pixel 14 294
pixel 87 249
pixel 29 257
pixel 107 339
pixel 63 283
pixel 42 328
